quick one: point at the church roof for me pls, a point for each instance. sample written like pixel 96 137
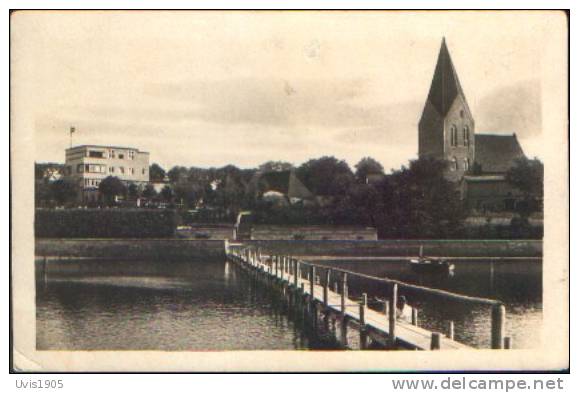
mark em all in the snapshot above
pixel 287 183
pixel 496 153
pixel 445 86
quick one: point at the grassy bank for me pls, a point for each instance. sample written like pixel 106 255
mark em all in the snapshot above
pixel 156 249
pixel 405 248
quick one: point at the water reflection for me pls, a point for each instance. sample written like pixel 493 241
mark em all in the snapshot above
pixel 132 305
pixel 164 305
pixel 518 283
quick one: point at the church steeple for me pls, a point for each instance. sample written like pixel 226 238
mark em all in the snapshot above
pixel 445 86
pixel 446 128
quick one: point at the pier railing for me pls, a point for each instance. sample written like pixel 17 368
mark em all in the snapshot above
pixel 327 288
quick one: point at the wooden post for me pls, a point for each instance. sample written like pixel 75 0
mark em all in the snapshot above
pixel 498 326
pixel 450 330
pixel 508 343
pixel 392 315
pixel 296 272
pixel 282 270
pixel 344 330
pixel 312 281
pixel 414 316
pixel 435 341
pixel 362 312
pixel 344 293
pixel 326 284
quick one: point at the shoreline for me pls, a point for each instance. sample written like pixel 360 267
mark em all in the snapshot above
pixel 192 249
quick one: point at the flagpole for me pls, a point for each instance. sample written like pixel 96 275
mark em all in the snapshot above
pixel 71 131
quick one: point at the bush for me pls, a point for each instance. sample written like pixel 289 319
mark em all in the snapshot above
pixel 105 223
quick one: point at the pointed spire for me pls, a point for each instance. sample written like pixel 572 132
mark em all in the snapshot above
pixel 445 84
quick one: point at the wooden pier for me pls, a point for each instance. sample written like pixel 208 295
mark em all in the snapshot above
pixel 308 291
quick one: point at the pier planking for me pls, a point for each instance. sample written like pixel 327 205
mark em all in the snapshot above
pixel 333 305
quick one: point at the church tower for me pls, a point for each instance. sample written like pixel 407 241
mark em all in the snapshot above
pixel 446 128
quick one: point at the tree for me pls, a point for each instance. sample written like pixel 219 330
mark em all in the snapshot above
pixel 156 173
pixel 149 191
pixel 275 166
pixel 326 176
pixel 418 202
pixel 167 194
pixel 368 166
pixel 42 193
pixel 111 187
pixel 64 191
pixel 527 176
pixel 133 191
pixel 177 173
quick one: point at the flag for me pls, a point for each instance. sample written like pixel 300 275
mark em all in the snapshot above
pixel 72 129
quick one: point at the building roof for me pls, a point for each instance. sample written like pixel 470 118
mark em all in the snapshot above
pixel 445 86
pixel 106 147
pixel 484 178
pixel 285 182
pixel 497 153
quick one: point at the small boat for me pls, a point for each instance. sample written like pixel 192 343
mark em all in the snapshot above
pixel 431 265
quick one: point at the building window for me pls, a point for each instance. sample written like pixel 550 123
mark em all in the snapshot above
pixel 112 169
pixel 96 154
pixel 453 136
pixel 95 168
pixel 453 164
pixel 465 136
pixel 131 155
pixel 462 113
pixel 121 156
pixel 122 168
pixel 143 171
pixel 466 164
pixel 79 168
pixel 112 154
pixel 131 171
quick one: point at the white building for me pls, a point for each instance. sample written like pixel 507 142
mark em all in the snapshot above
pixel 90 164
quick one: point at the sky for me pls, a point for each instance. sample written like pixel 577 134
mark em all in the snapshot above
pixel 215 88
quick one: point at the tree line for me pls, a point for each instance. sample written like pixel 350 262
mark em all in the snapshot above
pixel 413 201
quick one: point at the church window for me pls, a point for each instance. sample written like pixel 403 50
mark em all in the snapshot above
pixel 453 136
pixel 453 164
pixel 465 136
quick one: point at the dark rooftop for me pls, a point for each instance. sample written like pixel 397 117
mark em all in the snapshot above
pixel 497 153
pixel 445 85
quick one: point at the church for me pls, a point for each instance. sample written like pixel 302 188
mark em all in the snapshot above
pixel 477 163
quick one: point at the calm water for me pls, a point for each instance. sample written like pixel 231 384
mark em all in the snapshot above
pixel 105 305
pixel 518 283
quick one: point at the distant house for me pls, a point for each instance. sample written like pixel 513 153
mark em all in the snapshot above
pixel 49 172
pixel 88 165
pixel 477 163
pixel 283 188
pixel 52 174
pixel 158 185
pixel 375 178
